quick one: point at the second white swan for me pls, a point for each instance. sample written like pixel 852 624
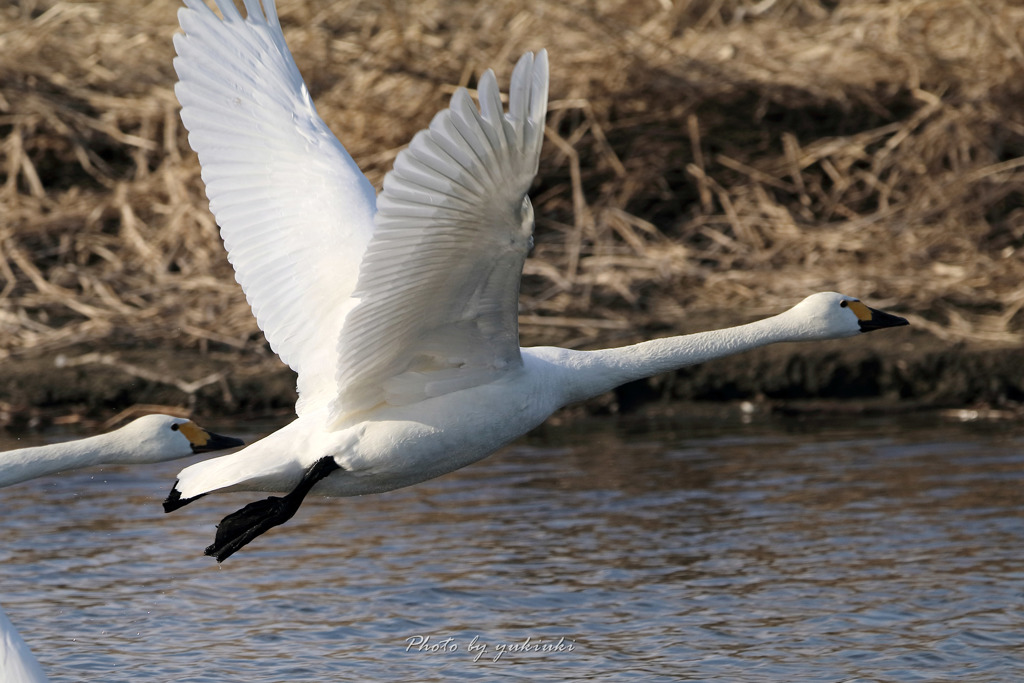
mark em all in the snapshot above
pixel 148 439
pixel 398 312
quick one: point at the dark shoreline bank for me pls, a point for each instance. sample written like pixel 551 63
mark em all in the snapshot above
pixel 882 373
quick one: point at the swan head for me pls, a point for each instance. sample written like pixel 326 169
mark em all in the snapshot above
pixel 156 438
pixel 829 315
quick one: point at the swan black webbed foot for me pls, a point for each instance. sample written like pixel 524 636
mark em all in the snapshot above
pixel 238 528
pixel 176 502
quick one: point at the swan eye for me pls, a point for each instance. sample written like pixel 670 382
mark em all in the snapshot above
pixel 844 303
pixel 174 427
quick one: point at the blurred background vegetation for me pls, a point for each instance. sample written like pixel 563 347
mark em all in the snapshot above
pixel 706 162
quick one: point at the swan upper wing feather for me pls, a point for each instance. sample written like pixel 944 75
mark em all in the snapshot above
pixel 294 210
pixel 438 286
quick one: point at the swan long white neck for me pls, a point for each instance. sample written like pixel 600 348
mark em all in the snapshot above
pixel 37 461
pixel 595 372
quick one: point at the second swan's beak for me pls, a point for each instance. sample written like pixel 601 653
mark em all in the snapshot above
pixel 878 320
pixel 205 442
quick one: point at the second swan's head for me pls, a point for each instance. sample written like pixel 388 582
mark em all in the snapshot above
pixel 156 438
pixel 829 315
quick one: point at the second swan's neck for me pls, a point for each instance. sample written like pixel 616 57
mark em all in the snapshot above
pixel 28 463
pixel 594 372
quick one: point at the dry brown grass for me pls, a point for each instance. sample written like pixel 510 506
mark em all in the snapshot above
pixel 705 159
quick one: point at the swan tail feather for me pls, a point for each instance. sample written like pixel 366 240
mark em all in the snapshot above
pixel 244 469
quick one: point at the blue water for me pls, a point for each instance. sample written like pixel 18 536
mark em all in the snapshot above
pixel 842 549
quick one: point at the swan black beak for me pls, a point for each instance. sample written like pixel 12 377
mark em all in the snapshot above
pixel 879 320
pixel 215 442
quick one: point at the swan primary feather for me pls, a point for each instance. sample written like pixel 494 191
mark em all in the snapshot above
pixel 398 312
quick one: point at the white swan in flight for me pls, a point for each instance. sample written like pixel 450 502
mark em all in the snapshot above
pixel 397 311
pixel 148 439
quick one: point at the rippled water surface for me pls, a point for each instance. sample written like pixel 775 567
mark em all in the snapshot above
pixel 835 550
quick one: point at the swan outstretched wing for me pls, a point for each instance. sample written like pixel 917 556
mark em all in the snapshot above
pixel 438 286
pixel 295 212
pixel 17 663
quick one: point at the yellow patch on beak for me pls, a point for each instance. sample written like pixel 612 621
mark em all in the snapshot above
pixel 862 312
pixel 196 435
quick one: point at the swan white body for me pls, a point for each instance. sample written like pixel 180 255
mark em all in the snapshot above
pixel 148 439
pixel 398 312
pixel 17 663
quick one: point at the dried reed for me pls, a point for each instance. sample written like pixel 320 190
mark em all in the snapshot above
pixel 707 161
